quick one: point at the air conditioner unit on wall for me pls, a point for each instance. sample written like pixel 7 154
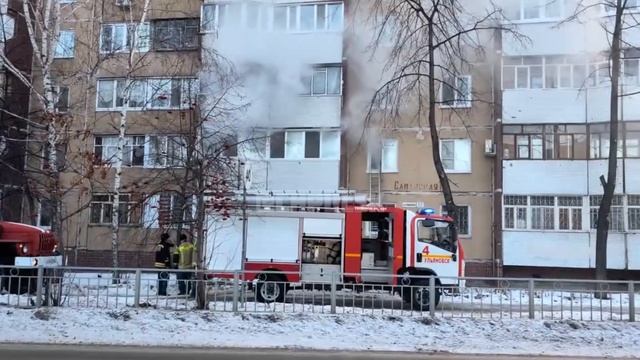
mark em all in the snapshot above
pixel 489 147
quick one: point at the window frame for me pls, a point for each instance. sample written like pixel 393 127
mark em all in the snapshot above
pixel 322 145
pixel 386 142
pixel 468 234
pixel 292 18
pixel 177 26
pixel 456 147
pixel 39 215
pixel 308 81
pixel 593 213
pixel 68 52
pixel 459 100
pixel 551 135
pixel 131 204
pixel 635 206
pixel 186 84
pixel 136 37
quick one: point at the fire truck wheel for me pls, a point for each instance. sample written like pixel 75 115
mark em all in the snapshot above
pixel 417 295
pixel 271 290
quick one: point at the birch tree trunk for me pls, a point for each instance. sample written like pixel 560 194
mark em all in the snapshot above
pixel 122 131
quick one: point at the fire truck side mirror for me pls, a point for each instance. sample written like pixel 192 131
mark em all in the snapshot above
pixel 428 223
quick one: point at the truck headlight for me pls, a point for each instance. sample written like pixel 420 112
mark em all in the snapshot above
pixel 25 249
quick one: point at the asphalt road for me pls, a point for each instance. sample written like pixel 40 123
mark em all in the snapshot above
pixel 42 352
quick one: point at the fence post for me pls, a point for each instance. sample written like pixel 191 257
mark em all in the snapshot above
pixel 432 296
pixel 333 293
pixel 236 291
pixel 632 302
pixel 532 307
pixel 136 290
pixel 39 283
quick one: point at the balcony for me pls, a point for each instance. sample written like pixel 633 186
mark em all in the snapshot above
pixel 310 175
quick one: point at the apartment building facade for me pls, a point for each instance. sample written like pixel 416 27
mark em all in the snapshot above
pixel 118 65
pixel 289 56
pixel 13 130
pixel 554 143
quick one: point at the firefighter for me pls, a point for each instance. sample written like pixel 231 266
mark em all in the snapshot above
pixel 186 261
pixel 163 261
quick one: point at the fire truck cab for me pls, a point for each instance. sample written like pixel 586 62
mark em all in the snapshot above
pixel 21 246
pixel 359 244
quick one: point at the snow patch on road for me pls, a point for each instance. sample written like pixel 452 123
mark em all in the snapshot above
pixel 148 327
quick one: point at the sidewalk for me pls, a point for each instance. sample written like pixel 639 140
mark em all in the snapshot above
pixel 320 332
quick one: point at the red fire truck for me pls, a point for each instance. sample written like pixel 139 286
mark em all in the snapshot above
pixel 23 245
pixel 362 244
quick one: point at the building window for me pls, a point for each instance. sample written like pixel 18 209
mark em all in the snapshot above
pixel 124 37
pixel 213 16
pixel 633 202
pixel 456 91
pixel 529 147
pixel 544 142
pixel 570 212
pixel 102 210
pixel 45 213
pixel 456 155
pixel 515 212
pixel 153 93
pixel 61 98
pixel 106 150
pixel 287 17
pixel 616 217
pixel 542 217
pixel 296 145
pixel 463 219
pixel 308 17
pixel 168 209
pixel 549 72
pixel 599 141
pixel 66 44
pixel 323 80
pixel 148 151
pixel 535 10
pixel 631 139
pixel 385 158
pixel 177 34
pixel 166 151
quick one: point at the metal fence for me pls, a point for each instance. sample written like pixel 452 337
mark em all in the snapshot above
pixel 490 298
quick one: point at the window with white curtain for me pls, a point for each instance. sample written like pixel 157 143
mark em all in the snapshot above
pixel 456 155
pixel 384 158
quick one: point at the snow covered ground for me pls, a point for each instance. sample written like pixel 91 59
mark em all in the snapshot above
pixel 147 327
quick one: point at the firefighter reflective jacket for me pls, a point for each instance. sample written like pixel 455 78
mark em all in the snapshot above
pixel 187 256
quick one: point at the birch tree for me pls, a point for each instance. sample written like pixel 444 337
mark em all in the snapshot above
pixel 132 64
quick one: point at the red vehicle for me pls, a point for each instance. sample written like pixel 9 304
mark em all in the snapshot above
pixel 23 245
pixel 364 244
